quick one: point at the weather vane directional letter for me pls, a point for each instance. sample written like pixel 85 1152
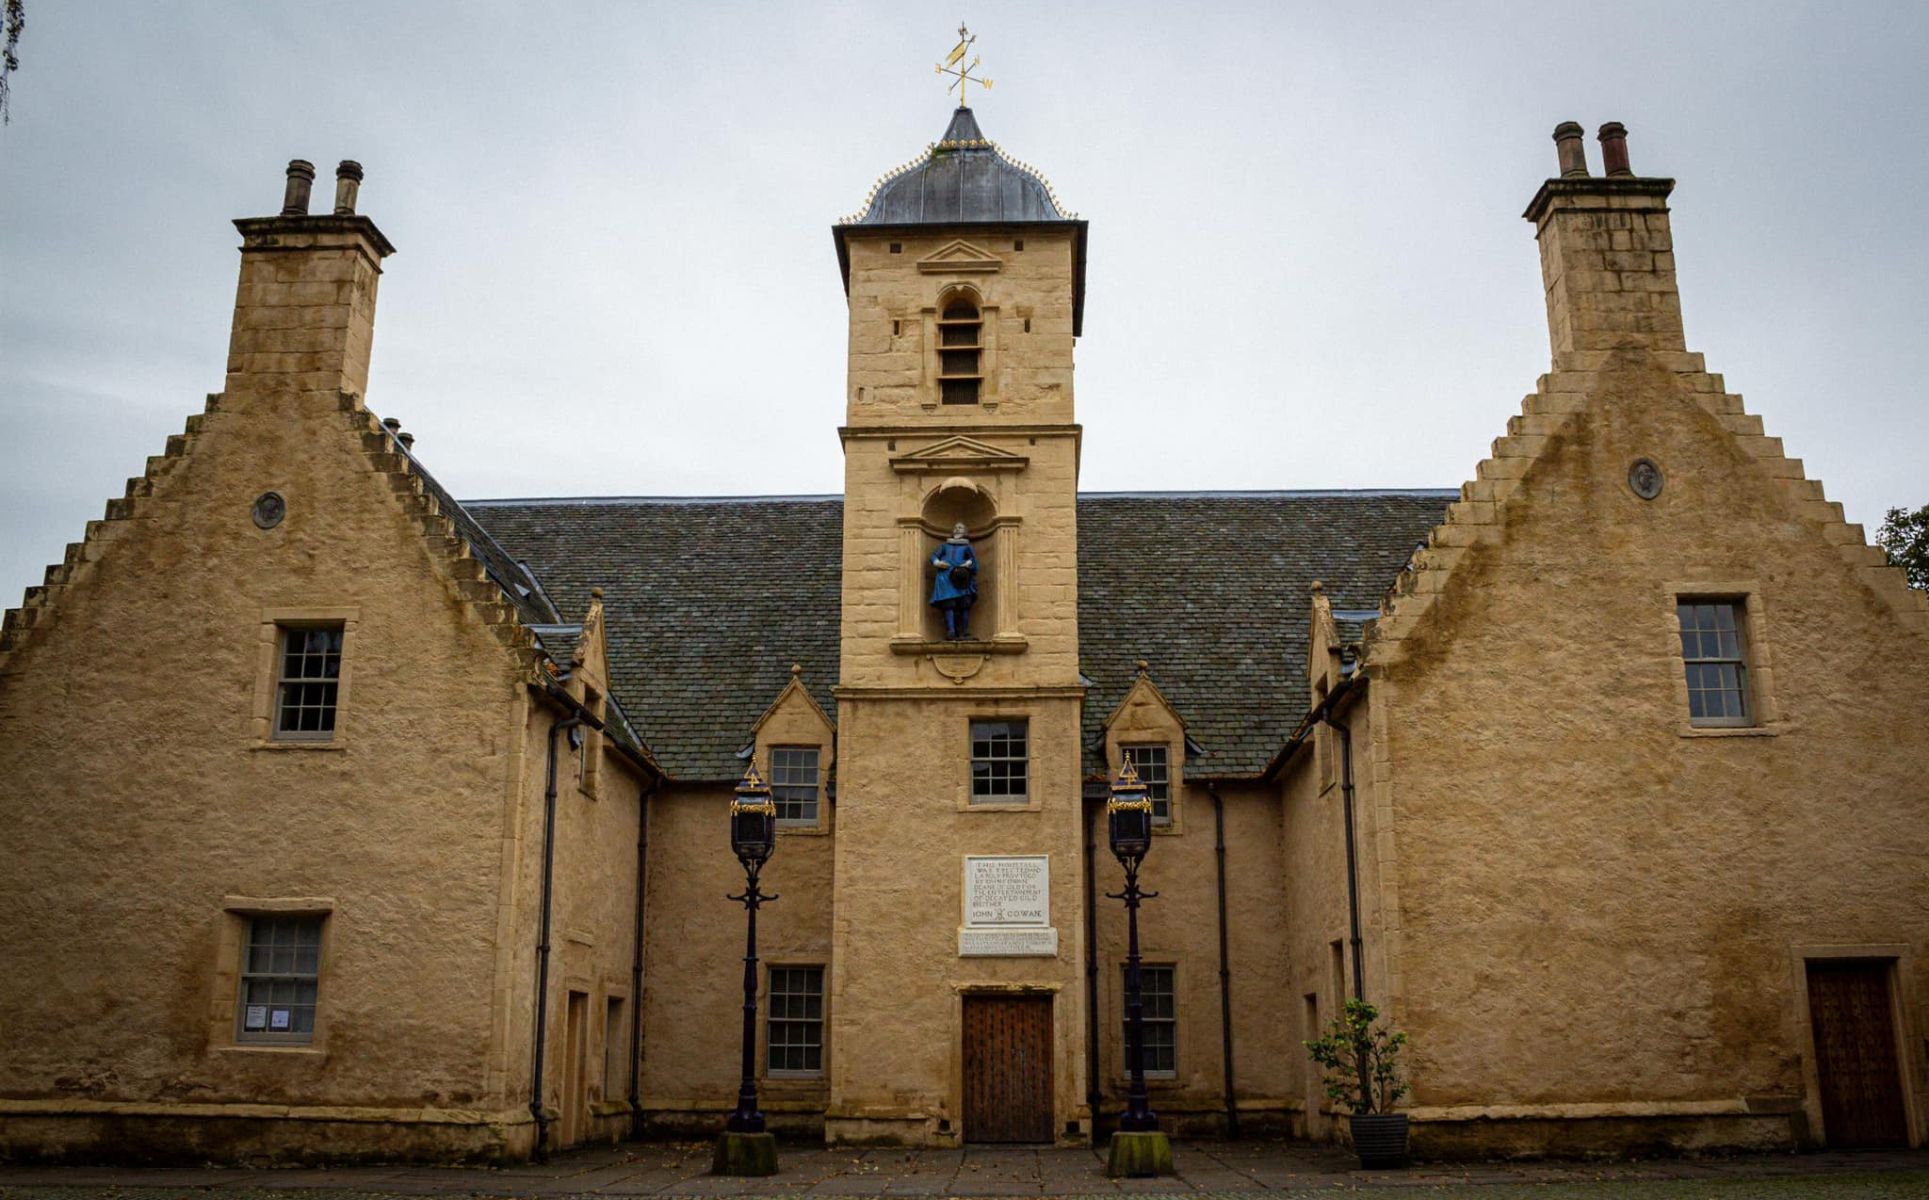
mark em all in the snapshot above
pixel 963 75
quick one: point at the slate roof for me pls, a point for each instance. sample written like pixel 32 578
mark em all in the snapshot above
pixel 534 606
pixel 1213 591
pixel 962 179
pixel 518 586
pixel 707 603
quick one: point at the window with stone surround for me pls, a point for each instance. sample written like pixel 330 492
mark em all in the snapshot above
pixel 794 784
pixel 1714 654
pixel 1158 985
pixel 280 978
pixel 307 682
pixel 960 351
pixel 796 1024
pixel 1000 761
pixel 1153 764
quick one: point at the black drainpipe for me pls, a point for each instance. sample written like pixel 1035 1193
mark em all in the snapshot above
pixel 1092 1098
pixel 636 958
pixel 1225 961
pixel 1352 860
pixel 1352 869
pixel 542 938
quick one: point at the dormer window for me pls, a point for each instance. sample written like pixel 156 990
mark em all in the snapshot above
pixel 960 351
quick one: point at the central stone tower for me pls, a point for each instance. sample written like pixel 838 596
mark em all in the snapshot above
pixel 957 1008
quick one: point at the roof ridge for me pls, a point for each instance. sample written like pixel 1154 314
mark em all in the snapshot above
pixel 837 497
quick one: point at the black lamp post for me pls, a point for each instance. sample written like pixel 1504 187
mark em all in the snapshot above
pixel 1128 816
pixel 753 835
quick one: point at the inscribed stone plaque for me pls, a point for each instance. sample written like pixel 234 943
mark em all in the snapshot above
pixel 1007 908
pixel 1007 892
pixel 1007 943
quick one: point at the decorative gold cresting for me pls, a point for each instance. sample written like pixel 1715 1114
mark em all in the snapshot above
pixel 962 74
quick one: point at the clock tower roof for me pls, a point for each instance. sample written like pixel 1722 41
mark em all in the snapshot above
pixel 962 179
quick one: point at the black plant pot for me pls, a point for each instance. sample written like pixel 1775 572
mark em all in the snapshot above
pixel 1380 1139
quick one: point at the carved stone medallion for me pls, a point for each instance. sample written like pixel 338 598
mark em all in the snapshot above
pixel 269 509
pixel 1645 479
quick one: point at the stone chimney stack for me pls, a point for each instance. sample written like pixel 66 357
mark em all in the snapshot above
pixel 304 313
pixel 1607 254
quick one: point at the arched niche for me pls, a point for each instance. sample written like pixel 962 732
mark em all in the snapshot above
pixel 994 542
pixel 958 501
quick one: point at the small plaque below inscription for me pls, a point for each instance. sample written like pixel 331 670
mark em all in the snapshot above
pixel 1008 943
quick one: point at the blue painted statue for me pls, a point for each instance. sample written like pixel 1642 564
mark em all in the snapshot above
pixel 955 589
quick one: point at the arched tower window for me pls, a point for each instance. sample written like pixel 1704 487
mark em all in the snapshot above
pixel 960 351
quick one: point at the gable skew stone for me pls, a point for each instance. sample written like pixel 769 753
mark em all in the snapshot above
pixel 37 605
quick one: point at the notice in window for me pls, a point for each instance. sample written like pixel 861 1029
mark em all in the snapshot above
pixel 256 1018
pixel 279 1019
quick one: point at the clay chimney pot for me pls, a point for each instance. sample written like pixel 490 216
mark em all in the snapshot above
pixel 301 178
pixel 1614 150
pixel 348 182
pixel 1571 150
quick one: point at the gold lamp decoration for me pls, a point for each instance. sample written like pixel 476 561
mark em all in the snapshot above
pixel 1128 814
pixel 753 819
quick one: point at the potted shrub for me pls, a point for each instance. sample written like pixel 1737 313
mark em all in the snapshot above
pixel 1360 1063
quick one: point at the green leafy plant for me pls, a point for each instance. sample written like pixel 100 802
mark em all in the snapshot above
pixel 14 21
pixel 1360 1061
pixel 1905 535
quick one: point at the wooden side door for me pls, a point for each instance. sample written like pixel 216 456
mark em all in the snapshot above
pixel 1007 1068
pixel 1855 1054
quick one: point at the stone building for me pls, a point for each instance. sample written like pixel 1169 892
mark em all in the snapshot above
pixel 347 820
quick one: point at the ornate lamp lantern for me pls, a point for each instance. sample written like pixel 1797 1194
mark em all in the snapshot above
pixel 753 821
pixel 745 1148
pixel 1128 815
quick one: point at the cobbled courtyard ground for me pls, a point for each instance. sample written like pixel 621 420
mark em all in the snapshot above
pixel 1206 1169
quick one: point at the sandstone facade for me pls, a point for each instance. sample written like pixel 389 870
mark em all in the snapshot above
pixel 1463 781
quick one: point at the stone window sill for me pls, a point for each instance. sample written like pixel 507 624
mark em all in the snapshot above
pixel 1727 731
pixel 334 745
pixel 1021 805
pixel 309 1051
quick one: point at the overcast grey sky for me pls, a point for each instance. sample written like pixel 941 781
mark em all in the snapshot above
pixel 615 273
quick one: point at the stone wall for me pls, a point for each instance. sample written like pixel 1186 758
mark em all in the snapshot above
pixel 1597 912
pixel 155 811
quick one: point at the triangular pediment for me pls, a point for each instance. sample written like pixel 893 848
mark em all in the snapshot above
pixel 959 256
pixel 959 452
pixel 1144 707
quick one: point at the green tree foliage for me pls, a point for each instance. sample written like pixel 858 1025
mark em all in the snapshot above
pixel 1360 1063
pixel 15 21
pixel 1905 535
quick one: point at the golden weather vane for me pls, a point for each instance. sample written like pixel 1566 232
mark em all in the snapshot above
pixel 962 74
